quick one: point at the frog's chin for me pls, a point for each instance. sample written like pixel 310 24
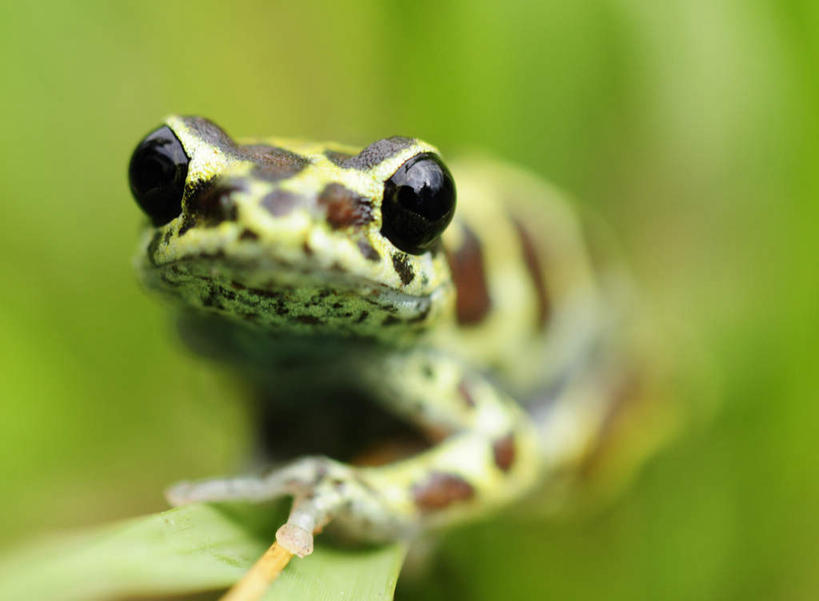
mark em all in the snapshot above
pixel 279 295
pixel 270 277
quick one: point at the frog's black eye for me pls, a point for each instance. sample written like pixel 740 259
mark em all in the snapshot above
pixel 157 175
pixel 419 202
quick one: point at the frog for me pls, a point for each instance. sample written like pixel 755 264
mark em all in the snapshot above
pixel 462 299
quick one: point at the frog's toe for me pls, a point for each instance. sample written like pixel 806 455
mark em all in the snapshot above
pixel 295 539
pixel 242 488
pixel 300 478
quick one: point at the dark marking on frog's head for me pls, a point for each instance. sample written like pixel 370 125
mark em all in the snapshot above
pixel 338 158
pixel 376 153
pixel 272 163
pixel 281 202
pixel 209 133
pixel 344 207
pixel 402 266
pixel 212 205
pixel 367 250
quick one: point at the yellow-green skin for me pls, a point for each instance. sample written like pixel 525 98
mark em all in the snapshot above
pixel 502 344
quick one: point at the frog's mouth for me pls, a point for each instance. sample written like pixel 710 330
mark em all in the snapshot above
pixel 274 294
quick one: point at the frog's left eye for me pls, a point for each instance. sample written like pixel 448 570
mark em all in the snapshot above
pixel 419 202
pixel 157 175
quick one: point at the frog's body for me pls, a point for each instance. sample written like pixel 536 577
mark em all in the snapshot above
pixel 499 341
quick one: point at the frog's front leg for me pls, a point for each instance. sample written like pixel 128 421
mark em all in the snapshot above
pixel 485 454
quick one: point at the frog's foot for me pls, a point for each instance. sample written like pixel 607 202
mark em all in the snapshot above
pixel 337 492
pixel 295 479
pixel 321 490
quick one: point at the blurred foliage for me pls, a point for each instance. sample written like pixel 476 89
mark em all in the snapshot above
pixel 691 125
pixel 193 548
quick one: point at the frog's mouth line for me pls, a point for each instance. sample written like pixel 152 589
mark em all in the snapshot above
pixel 207 281
pixel 279 274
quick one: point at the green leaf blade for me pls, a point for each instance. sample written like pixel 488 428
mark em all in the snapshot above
pixel 190 549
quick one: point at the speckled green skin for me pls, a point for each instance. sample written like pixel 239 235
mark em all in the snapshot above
pixel 280 241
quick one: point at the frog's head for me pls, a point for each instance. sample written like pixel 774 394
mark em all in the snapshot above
pixel 294 235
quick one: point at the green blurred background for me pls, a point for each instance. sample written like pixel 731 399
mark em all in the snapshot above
pixel 691 125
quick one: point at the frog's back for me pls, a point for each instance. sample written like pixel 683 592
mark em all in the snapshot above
pixel 544 303
pixel 527 297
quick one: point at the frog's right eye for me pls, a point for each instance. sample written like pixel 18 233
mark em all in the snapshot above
pixel 419 202
pixel 157 175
